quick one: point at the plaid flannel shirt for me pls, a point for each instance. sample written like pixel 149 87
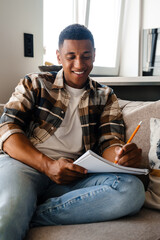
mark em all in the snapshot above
pixel 38 105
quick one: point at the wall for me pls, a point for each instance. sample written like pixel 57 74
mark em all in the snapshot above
pixel 17 17
pixel 151 15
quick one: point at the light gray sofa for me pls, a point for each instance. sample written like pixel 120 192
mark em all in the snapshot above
pixel 142 226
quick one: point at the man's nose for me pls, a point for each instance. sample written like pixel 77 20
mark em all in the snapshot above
pixel 78 63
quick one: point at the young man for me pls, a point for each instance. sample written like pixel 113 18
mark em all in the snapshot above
pixel 50 120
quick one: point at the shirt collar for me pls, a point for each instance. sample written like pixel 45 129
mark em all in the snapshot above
pixel 59 82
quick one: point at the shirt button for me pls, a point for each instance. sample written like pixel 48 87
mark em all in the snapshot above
pixel 52 128
pixel 62 112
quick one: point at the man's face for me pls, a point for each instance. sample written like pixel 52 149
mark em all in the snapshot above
pixel 76 57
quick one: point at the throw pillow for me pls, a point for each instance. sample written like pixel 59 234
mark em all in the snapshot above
pixel 153 190
pixel 154 152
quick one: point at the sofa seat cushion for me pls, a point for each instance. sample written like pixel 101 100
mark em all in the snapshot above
pixel 142 226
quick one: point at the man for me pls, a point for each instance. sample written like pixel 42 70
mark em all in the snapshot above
pixel 50 120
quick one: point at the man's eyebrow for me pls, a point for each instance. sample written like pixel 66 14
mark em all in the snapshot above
pixel 87 52
pixel 71 53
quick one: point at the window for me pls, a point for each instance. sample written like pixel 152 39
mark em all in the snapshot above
pixel 104 23
pixel 103 18
pixel 57 14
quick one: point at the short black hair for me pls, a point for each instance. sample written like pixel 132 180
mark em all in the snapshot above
pixel 75 32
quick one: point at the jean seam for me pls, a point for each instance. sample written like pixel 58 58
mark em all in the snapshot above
pixel 73 200
pixel 115 183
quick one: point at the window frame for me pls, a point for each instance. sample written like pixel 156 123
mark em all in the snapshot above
pixel 109 71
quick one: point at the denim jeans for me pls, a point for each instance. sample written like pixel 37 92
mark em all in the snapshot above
pixel 98 197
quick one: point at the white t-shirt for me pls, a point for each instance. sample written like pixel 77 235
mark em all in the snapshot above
pixel 67 139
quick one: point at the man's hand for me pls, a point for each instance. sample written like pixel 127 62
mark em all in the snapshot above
pixel 63 171
pixel 129 155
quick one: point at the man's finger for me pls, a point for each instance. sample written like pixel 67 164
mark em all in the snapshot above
pixel 77 169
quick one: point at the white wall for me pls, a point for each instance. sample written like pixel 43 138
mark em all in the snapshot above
pixel 151 14
pixel 18 17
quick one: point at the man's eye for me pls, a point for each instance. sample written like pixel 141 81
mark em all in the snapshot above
pixel 70 57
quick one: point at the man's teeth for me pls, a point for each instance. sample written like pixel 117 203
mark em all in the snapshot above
pixel 79 72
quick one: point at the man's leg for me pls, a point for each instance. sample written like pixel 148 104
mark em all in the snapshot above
pixel 19 186
pixel 99 197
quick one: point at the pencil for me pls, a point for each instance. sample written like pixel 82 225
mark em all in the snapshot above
pixel 132 136
pixel 135 131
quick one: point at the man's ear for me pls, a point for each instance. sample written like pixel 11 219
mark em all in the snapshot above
pixel 58 56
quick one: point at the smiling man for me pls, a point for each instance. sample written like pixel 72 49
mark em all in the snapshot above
pixel 76 57
pixel 50 120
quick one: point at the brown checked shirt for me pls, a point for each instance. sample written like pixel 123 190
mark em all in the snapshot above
pixel 38 105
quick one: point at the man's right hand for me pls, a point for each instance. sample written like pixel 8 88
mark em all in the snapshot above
pixel 63 171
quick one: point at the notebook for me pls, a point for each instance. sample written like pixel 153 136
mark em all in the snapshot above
pixel 96 164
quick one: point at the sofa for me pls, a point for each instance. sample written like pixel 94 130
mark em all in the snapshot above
pixel 142 226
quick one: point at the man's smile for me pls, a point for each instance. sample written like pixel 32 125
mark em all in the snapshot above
pixel 78 72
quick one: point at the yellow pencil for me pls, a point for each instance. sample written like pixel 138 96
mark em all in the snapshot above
pixel 135 131
pixel 132 136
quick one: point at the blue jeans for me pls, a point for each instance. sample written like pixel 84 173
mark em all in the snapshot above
pixel 98 197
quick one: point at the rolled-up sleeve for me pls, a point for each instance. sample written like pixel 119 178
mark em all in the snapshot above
pixel 111 128
pixel 6 130
pixel 17 111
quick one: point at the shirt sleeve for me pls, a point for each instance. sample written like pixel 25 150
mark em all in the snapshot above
pixel 17 112
pixel 111 129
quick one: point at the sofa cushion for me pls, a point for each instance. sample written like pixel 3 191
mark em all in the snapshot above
pixel 154 152
pixel 133 113
pixel 141 226
pixel 152 199
pixel 1 109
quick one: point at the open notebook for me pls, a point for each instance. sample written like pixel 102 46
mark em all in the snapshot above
pixel 94 164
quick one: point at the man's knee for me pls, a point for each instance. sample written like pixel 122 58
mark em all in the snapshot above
pixel 135 193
